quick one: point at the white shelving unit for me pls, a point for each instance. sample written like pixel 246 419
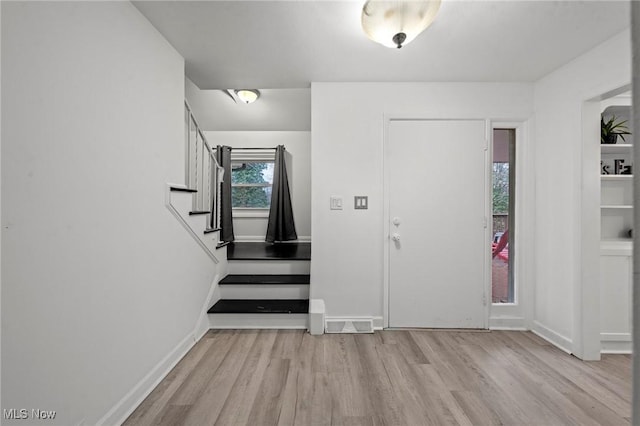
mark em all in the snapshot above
pixel 616 215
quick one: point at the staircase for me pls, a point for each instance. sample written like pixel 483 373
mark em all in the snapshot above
pixel 267 287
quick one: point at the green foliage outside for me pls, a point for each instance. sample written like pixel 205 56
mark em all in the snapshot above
pixel 501 188
pixel 250 196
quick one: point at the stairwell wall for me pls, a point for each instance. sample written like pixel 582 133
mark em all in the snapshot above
pixel 101 286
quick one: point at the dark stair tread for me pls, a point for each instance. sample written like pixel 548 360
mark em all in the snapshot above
pixel 269 251
pixel 260 306
pixel 178 189
pixel 210 230
pixel 265 279
pixel 199 212
pixel 222 244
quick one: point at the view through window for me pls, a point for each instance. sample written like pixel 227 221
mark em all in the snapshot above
pixel 502 283
pixel 251 184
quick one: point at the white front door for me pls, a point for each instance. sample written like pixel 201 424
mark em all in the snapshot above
pixel 437 207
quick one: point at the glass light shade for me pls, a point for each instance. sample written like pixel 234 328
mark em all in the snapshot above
pixel 247 95
pixel 396 23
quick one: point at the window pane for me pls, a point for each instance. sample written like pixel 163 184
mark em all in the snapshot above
pixel 503 285
pixel 246 173
pixel 256 197
pixel 251 172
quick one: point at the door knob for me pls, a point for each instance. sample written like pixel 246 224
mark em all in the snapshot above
pixel 396 221
pixel 395 237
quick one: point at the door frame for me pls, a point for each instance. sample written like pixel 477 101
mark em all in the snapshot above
pixel 388 118
pixel 518 315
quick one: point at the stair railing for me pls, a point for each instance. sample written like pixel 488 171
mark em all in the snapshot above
pixel 203 172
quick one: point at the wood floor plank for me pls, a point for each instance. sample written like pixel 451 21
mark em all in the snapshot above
pixel 173 415
pixel 205 410
pixel 268 402
pixel 237 406
pixel 384 402
pixel 394 377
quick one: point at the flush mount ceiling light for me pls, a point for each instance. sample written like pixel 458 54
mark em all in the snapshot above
pixel 247 95
pixel 396 23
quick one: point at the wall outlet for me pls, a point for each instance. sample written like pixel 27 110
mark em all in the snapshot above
pixel 361 202
pixel 336 203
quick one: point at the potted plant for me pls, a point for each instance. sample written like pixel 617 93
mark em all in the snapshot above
pixel 610 130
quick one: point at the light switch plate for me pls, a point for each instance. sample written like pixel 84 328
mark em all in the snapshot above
pixel 336 203
pixel 361 202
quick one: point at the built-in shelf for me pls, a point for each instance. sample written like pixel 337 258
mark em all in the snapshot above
pixel 613 206
pixel 616 247
pixel 615 148
pixel 616 177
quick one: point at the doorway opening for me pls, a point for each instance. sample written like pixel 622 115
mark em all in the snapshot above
pixel 503 201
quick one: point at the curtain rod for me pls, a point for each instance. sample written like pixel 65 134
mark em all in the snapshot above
pixel 232 148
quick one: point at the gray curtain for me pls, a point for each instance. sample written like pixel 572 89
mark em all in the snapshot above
pixel 223 154
pixel 281 226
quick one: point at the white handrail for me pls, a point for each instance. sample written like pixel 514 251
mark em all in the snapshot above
pixel 202 170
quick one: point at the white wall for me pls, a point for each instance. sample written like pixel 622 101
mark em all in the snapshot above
pixel 100 282
pixel 566 242
pixel 347 159
pixel 298 145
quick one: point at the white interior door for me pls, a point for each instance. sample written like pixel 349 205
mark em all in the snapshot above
pixel 437 201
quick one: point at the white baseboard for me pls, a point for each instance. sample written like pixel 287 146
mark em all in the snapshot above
pixel 561 342
pixel 507 323
pixel 616 343
pixel 123 408
pixel 378 323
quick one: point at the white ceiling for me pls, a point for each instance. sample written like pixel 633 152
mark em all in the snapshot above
pixel 288 44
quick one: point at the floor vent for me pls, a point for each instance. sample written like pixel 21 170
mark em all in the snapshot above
pixel 349 326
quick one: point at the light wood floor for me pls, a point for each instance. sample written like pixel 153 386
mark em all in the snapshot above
pixel 287 377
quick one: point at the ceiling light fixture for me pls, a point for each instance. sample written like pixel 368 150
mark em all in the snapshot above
pixel 396 23
pixel 247 95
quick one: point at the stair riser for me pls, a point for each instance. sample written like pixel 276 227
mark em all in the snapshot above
pixel 269 267
pixel 265 291
pixel 254 321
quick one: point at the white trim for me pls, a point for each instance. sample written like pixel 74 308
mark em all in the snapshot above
pixel 253 155
pixel 561 342
pixel 586 243
pixel 616 343
pixel 488 214
pixel 507 323
pixel 521 309
pixel 378 323
pixel 615 337
pixel 249 213
pixel 123 408
pixel 386 233
pixel 183 222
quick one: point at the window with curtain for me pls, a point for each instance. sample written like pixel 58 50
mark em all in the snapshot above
pixel 251 184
